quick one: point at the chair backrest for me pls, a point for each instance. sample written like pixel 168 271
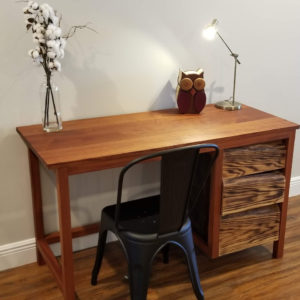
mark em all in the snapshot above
pixel 179 169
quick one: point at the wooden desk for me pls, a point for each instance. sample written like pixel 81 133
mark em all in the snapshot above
pixel 108 142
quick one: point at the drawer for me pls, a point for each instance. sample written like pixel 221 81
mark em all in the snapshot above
pixel 254 159
pixel 250 228
pixel 252 191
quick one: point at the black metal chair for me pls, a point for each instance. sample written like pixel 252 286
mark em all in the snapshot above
pixel 148 225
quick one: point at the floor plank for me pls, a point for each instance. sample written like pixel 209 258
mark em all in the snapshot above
pixel 249 274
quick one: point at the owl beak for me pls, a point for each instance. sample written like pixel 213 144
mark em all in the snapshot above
pixel 193 91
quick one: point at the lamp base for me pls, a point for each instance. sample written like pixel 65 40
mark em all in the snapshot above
pixel 228 105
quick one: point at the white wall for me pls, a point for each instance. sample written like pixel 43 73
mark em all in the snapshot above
pixel 132 65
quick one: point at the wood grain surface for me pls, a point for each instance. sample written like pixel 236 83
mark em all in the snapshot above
pixel 252 191
pixel 92 144
pixel 249 228
pixel 37 203
pixel 254 159
pixel 248 274
pixel 278 246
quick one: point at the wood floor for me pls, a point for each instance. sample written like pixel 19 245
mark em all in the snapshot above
pixel 249 274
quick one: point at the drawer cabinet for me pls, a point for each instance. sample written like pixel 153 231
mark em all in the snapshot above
pixel 252 191
pixel 249 228
pixel 253 186
pixel 254 159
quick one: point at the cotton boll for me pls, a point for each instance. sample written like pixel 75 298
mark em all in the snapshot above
pixel 35 5
pixel 46 7
pixel 54 19
pixel 39 35
pixel 57 32
pixel 40 29
pixel 55 47
pixel 34 12
pixel 46 11
pixel 51 13
pixel 51 43
pixel 30 52
pixel 50 65
pixel 54 50
pixel 51 54
pixel 57 65
pixel 45 14
pixel 40 19
pixel 51 27
pixel 50 34
pixel 35 54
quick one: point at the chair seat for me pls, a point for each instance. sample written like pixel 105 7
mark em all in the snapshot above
pixel 137 216
pixel 140 218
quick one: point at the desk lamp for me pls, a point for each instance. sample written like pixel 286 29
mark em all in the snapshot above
pixel 210 32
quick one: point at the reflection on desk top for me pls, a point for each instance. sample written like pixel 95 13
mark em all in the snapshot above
pixel 107 142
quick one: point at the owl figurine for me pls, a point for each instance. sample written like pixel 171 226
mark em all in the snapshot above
pixel 190 92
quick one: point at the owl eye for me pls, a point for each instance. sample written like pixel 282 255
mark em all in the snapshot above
pixel 186 84
pixel 199 84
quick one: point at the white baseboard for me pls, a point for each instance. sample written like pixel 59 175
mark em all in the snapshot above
pixel 17 254
pixel 295 186
pixel 24 252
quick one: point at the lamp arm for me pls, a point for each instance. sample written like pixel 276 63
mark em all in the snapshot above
pixel 232 54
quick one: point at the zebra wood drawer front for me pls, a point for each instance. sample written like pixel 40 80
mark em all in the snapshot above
pixel 250 228
pixel 254 159
pixel 252 191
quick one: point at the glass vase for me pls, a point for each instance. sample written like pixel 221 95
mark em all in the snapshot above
pixel 50 104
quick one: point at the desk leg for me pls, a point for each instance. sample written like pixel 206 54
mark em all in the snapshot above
pixel 215 206
pixel 36 201
pixel 62 184
pixel 278 246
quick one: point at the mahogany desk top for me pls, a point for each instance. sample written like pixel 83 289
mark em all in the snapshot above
pixel 107 142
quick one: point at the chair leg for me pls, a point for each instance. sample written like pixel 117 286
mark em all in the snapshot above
pixel 187 242
pixel 165 252
pixel 139 279
pixel 99 256
pixel 139 269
